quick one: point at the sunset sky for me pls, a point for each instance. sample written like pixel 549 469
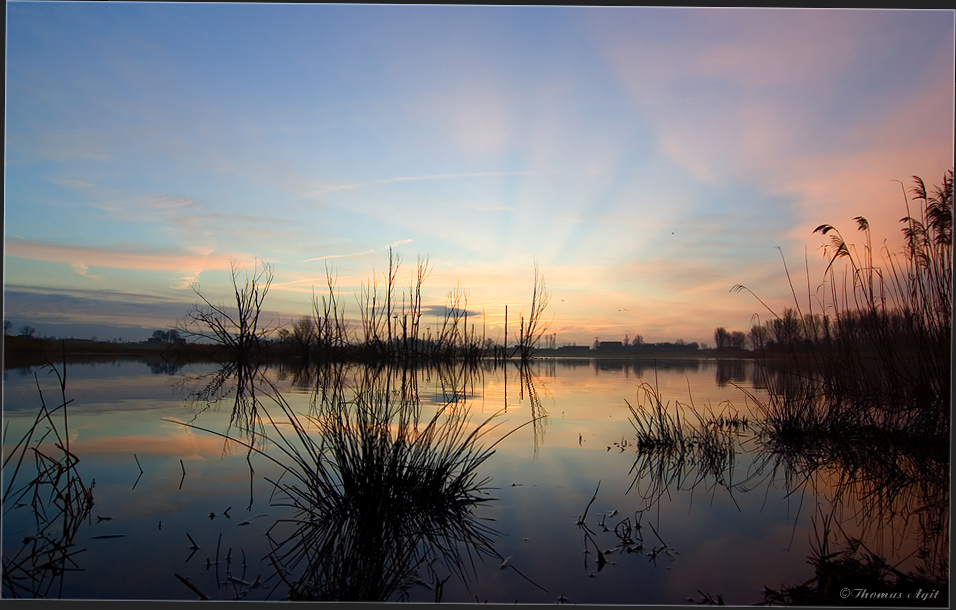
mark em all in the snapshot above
pixel 646 159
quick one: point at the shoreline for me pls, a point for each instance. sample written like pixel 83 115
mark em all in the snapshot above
pixel 20 352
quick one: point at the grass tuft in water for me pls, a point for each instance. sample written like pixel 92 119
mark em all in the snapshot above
pixel 377 494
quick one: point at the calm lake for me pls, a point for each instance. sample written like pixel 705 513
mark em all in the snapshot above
pixel 576 511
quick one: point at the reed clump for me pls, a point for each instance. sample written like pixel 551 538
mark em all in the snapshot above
pixel 872 346
pixel 376 496
pixel 853 575
pixel 681 447
pixel 390 326
pixel 891 490
pixel 377 492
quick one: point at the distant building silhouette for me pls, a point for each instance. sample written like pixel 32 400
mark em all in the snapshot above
pixel 610 346
pixel 574 349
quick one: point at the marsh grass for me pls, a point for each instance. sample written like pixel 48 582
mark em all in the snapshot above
pixel 883 481
pixel 683 446
pixel 860 409
pixel 390 327
pixel 891 489
pixel 378 495
pixel 872 345
pixel 41 475
pixel 375 499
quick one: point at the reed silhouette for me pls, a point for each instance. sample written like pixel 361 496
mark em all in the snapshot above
pixel 872 346
pixel 44 478
pixel 850 574
pixel 389 327
pixel 682 447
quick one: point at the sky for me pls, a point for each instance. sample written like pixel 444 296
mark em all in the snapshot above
pixel 645 159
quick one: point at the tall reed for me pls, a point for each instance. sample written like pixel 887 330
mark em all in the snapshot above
pixel 872 346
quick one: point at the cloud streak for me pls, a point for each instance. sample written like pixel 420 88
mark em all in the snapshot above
pixel 454 176
pixel 80 259
pixel 395 244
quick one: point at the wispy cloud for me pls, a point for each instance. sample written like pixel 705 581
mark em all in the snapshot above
pixel 58 145
pixel 395 244
pixel 71 182
pixel 358 185
pixel 80 259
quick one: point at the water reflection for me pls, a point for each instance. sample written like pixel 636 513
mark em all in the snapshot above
pixel 165 367
pixel 735 371
pixel 683 447
pixel 883 490
pixel 887 497
pixel 235 384
pixel 321 441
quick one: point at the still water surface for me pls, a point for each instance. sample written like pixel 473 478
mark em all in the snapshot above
pixel 729 533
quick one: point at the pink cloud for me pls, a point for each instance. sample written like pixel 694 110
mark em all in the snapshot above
pixel 81 258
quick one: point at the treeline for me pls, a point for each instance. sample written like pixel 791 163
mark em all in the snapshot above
pixel 790 332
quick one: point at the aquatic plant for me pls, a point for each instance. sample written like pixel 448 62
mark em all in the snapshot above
pixel 882 480
pixel 676 452
pixel 889 489
pixel 389 327
pixel 375 497
pixel 54 491
pixel 875 350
